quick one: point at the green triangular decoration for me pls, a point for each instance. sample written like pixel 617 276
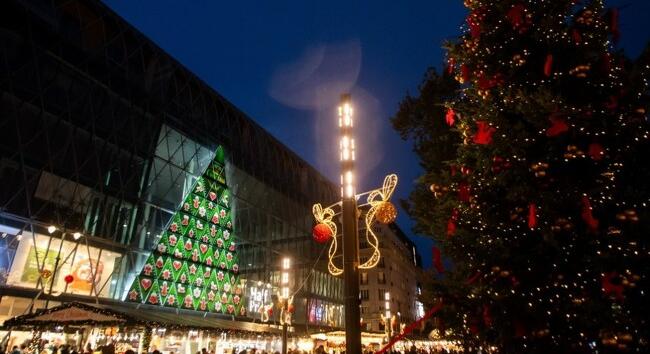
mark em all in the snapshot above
pixel 149 268
pixel 153 298
pixel 194 263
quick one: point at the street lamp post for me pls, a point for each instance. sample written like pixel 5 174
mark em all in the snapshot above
pixel 284 299
pixel 350 229
pixel 377 208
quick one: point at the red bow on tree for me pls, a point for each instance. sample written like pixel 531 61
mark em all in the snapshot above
pixel 484 133
pixel 450 117
pixel 609 288
pixel 558 126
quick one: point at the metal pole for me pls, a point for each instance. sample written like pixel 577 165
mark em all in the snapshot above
pixel 350 230
pixel 56 267
pixel 284 338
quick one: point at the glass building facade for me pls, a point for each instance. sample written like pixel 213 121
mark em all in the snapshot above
pixel 103 134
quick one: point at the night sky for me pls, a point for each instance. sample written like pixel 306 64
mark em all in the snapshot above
pixel 286 63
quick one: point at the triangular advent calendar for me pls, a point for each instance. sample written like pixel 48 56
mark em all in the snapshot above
pixel 194 265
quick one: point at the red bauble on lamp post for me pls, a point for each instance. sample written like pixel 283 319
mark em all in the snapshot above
pixel 322 233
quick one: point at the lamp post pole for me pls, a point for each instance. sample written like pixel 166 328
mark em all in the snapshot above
pixel 284 295
pixel 350 229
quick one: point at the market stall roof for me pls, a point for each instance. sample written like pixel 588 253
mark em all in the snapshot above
pixel 69 314
pixel 76 313
pixel 339 337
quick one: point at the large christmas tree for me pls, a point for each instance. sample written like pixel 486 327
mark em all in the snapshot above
pixel 542 201
pixel 194 265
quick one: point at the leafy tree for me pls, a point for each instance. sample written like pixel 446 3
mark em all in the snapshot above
pixel 536 183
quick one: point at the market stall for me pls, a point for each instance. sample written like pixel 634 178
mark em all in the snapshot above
pixel 140 328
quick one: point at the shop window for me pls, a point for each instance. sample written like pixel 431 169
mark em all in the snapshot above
pixel 93 269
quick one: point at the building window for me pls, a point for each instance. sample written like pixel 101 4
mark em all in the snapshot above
pixel 381 293
pixel 364 310
pixel 364 278
pixel 364 294
pixel 381 278
pixel 381 263
pixel 363 245
pixel 363 260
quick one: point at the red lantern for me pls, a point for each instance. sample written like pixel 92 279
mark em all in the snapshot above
pixel 322 233
pixel 68 279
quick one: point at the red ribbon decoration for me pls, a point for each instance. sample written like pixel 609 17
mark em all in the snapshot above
pixel 558 126
pixel 610 288
pixel 473 278
pixel 596 151
pixel 463 192
pixel 484 134
pixel 532 215
pixel 437 260
pixel 548 65
pixel 410 328
pixel 450 117
pixel 587 215
pixel 451 223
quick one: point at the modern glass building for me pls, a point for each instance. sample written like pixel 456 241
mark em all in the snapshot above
pixel 103 134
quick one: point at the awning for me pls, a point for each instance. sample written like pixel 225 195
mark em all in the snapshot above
pixel 126 314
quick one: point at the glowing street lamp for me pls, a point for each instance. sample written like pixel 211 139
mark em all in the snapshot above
pixel 379 210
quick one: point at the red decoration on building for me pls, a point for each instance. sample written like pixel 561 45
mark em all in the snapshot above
pixel 322 233
pixel 484 133
pixel 437 260
pixel 548 65
pixel 68 278
pixel 558 126
pixel 450 117
pixel 532 215
pixel 587 215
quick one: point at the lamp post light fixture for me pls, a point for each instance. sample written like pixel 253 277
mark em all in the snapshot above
pixel 379 210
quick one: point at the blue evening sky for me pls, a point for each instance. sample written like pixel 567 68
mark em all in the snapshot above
pixel 285 63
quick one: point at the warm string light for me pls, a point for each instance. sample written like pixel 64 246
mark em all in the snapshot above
pixel 346 147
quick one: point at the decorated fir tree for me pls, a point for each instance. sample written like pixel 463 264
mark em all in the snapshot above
pixel 194 265
pixel 541 203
